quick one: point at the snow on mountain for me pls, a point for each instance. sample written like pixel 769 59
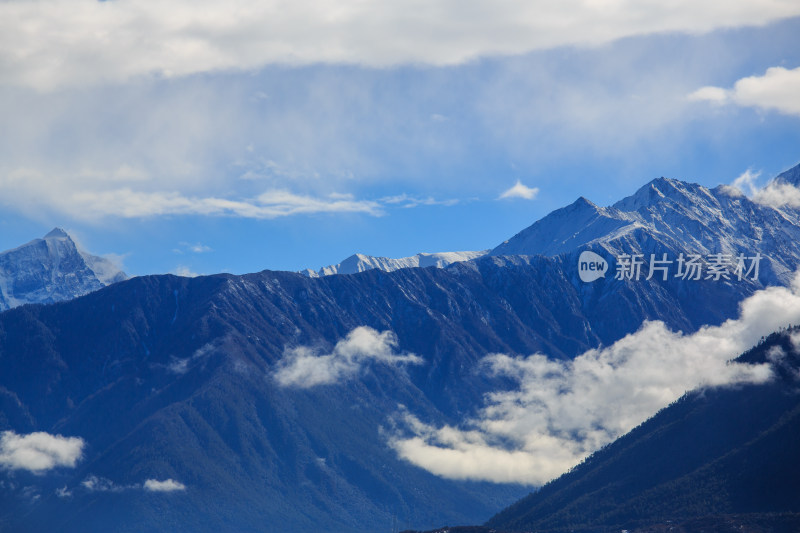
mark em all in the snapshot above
pixel 52 269
pixel 360 262
pixel 664 215
pixel 668 215
pixel 791 177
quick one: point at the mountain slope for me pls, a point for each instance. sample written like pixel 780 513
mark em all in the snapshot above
pixel 51 269
pixel 191 363
pixel 728 453
pixel 791 176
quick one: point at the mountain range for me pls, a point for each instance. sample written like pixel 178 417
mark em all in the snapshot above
pixel 267 401
pixel 667 215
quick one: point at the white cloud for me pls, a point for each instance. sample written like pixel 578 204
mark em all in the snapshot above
pixel 305 367
pixel 155 147
pixel 774 193
pixel 776 90
pixel 199 248
pixel 778 195
pixel 53 43
pixel 170 147
pixel 181 366
pixel 746 182
pixel 168 485
pixel 520 191
pixel 285 203
pixel 715 95
pixel 196 248
pixel 563 410
pixel 38 452
pixel 185 272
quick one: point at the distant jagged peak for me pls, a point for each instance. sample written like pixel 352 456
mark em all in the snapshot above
pixel 661 190
pixel 359 262
pixel 583 202
pixel 51 269
pixel 57 233
pixel 560 230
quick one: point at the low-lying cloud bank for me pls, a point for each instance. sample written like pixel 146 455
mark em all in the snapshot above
pixel 562 411
pixel 305 367
pixel 38 452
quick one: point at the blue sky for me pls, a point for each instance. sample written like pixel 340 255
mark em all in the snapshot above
pixel 240 136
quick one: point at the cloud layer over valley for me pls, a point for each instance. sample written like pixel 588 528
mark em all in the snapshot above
pixel 561 411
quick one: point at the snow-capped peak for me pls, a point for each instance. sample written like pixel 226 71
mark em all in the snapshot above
pixel 52 269
pixel 562 230
pixel 57 233
pixel 671 215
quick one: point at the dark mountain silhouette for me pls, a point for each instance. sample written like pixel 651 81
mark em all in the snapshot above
pixel 171 378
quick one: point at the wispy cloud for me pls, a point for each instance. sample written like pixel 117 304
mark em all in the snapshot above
pixel 746 181
pixel 94 483
pixel 305 367
pixel 89 198
pixel 197 248
pixel 408 201
pixel 563 410
pixel 89 202
pixel 520 191
pixel 776 90
pixel 39 452
pixel 53 43
pixel 194 248
pixel 182 365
